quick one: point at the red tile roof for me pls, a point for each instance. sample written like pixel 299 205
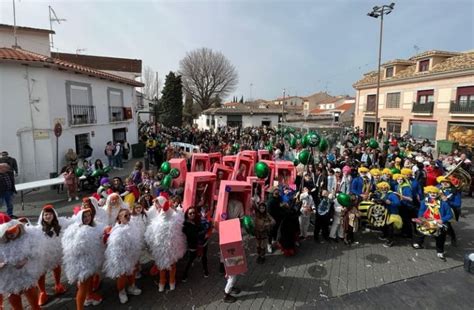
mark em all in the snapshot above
pixel 102 63
pixel 344 107
pixel 20 55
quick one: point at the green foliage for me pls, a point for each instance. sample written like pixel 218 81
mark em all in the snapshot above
pixel 171 101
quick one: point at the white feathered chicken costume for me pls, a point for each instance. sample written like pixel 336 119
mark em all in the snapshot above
pixel 124 247
pixel 166 240
pixel 83 250
pixel 20 263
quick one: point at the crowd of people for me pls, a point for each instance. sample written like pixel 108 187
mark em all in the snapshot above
pixel 338 192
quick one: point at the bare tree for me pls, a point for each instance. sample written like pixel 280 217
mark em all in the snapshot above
pixel 207 75
pixel 151 88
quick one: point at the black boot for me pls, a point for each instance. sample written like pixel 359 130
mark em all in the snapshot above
pixel 229 299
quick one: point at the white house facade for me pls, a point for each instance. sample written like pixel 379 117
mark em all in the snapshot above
pixel 37 91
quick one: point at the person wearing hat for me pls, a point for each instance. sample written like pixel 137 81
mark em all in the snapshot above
pixel 384 196
pixel 361 185
pixel 113 205
pixel 20 262
pixel 403 189
pixel 434 210
pixel 416 189
pixel 83 255
pixel 452 197
pixel 376 175
pixel 167 242
pixel 124 246
pixel 53 228
pixel 387 177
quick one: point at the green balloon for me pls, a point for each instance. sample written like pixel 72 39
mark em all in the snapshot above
pixel 293 142
pixel 298 135
pixel 314 139
pixel 107 169
pixel 323 145
pixel 296 162
pixel 174 173
pixel 395 170
pixel 236 146
pixel 166 182
pixel 402 154
pixel 373 143
pixel 79 172
pixel 386 142
pixel 304 156
pixel 97 173
pixel 165 167
pixel 344 199
pixel 248 224
pixel 269 147
pixel 261 170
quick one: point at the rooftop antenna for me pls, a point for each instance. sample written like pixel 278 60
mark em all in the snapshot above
pixel 14 26
pixel 53 18
pixel 78 50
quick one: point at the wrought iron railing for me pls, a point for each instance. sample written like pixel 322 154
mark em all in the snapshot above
pixel 81 114
pixel 423 107
pixel 462 107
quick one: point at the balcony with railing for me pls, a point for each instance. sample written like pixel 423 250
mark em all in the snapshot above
pixel 462 107
pixel 116 114
pixel 81 115
pixel 422 108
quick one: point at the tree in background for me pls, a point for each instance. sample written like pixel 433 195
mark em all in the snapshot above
pixel 188 112
pixel 152 83
pixel 207 75
pixel 241 99
pixel 171 101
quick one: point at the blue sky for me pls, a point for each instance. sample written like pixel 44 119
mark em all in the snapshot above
pixel 300 46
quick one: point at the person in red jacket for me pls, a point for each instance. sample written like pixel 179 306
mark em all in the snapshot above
pixel 432 172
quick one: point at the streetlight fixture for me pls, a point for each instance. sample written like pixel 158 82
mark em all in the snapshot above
pixel 379 11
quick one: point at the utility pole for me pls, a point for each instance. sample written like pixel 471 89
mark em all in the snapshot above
pixel 283 107
pixel 156 103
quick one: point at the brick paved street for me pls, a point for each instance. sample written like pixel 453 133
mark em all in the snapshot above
pixel 320 274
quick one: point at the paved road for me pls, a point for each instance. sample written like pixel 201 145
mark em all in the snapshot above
pixel 324 275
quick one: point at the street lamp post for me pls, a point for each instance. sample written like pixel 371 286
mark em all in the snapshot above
pixel 379 11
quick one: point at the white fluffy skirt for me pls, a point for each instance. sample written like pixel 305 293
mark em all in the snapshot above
pixel 165 238
pixel 83 251
pixel 123 251
pixel 29 246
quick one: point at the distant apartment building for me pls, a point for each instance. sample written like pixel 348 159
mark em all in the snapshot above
pixel 430 95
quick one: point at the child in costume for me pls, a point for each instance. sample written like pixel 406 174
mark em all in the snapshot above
pixel 124 246
pixel 167 242
pixel 452 196
pixel 435 213
pixel 20 262
pixel 405 194
pixel 350 221
pixel 390 200
pixel 53 228
pixel 263 225
pixel 83 251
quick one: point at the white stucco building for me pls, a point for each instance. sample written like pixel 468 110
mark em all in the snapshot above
pixel 38 91
pixel 239 114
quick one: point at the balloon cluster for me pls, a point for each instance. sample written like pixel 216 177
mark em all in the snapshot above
pixel 248 224
pixel 170 174
pixel 79 172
